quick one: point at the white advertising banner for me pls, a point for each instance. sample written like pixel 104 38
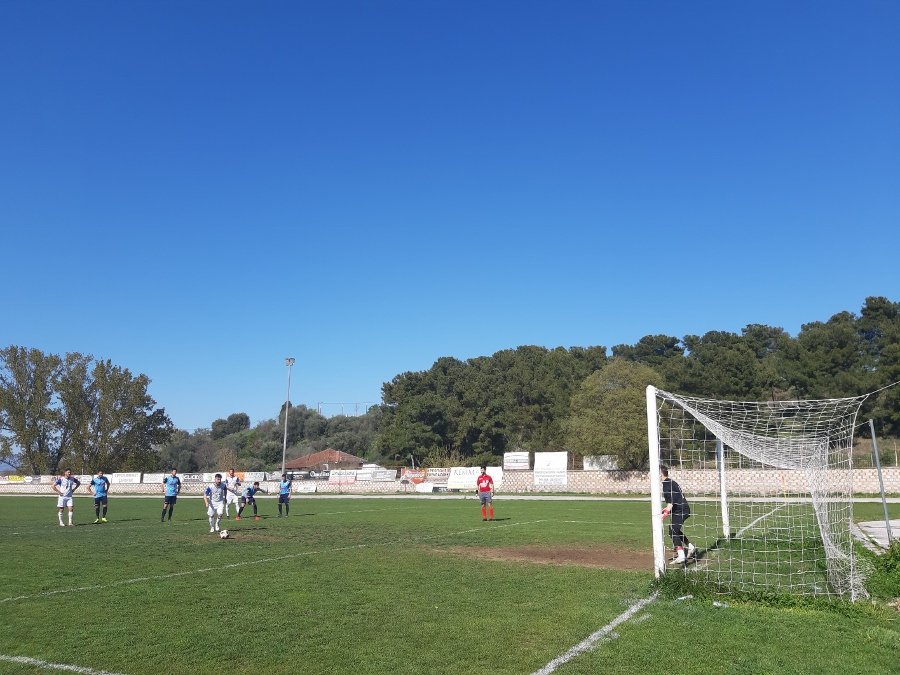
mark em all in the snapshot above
pixel 154 477
pixel 425 488
pixel 550 468
pixel 117 478
pixel 304 486
pixel 463 477
pixel 342 476
pixel 516 461
pixel 252 476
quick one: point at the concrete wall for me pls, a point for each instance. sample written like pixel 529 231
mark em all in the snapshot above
pixel 740 481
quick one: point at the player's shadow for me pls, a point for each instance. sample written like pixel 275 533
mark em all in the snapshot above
pixel 126 520
pixel 499 520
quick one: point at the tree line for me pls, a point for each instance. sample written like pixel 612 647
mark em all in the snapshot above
pixel 588 400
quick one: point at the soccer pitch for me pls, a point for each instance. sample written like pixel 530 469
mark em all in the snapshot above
pixel 388 586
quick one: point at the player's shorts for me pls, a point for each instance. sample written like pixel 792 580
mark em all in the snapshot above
pixel 284 499
pixel 232 498
pixel 248 500
pixel 101 500
pixel 485 497
pixel 63 502
pixel 216 509
pixel 170 499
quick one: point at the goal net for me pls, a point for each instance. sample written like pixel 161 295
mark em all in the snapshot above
pixel 769 487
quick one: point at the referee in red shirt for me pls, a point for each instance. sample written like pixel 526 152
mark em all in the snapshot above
pixel 484 486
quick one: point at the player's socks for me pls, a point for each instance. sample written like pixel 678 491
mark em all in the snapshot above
pixel 70 518
pixel 287 510
pixel 162 516
pixel 104 511
pixel 484 513
pixel 491 512
pixel 61 523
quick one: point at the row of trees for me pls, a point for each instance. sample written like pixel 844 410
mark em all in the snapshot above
pixel 78 410
pixel 90 413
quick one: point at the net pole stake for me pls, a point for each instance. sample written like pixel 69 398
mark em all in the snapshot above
pixel 887 519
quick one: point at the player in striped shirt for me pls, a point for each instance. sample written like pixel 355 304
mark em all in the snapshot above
pixel 214 497
pixel 64 486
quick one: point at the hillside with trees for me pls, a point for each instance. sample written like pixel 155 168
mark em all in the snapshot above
pixel 588 400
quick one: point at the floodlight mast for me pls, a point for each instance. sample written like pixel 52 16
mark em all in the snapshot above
pixel 289 362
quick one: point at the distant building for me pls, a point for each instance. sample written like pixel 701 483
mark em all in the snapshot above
pixel 329 458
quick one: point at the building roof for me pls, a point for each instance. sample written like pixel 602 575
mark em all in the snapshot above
pixel 328 456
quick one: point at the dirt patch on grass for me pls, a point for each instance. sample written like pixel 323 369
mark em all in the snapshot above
pixel 602 557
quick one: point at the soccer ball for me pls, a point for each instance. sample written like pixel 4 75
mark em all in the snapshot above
pixel 223 534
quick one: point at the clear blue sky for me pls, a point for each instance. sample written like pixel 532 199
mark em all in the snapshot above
pixel 196 190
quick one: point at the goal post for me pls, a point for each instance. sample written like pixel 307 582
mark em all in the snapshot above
pixel 769 484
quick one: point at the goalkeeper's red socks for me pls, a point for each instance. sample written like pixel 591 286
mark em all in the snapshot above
pixel 491 512
pixel 484 513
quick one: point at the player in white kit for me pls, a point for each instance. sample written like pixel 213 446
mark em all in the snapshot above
pixel 214 497
pixel 233 485
pixel 64 486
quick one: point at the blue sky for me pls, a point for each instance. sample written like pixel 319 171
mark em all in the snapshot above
pixel 196 190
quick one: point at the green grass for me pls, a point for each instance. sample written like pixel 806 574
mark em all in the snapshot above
pixel 382 586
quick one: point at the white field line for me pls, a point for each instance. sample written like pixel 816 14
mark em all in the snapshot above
pixel 46 665
pixel 605 633
pixel 765 515
pixel 245 563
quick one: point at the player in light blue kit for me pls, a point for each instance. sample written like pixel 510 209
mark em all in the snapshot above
pixel 64 486
pixel 284 495
pixel 249 498
pixel 99 487
pixel 214 498
pixel 171 487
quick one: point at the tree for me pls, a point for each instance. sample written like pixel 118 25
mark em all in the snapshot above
pixel 88 414
pixel 235 423
pixel 28 419
pixel 609 413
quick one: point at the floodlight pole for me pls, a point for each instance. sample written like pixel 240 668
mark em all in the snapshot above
pixel 289 362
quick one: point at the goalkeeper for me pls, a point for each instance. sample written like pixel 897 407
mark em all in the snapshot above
pixel 678 508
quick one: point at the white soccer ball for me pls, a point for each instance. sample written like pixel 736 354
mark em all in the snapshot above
pixel 223 534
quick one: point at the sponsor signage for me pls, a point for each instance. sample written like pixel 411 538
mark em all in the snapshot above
pixel 550 468
pixel 438 475
pixel 342 476
pixel 190 477
pixel 516 461
pixel 463 477
pixel 425 488
pixel 253 476
pixel 412 475
pixel 154 477
pixel 117 478
pixel 304 474
pixel 304 487
pixel 12 479
pixel 384 475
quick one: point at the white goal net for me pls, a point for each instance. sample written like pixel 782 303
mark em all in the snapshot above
pixel 769 486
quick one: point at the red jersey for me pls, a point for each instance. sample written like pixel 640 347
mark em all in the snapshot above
pixel 485 483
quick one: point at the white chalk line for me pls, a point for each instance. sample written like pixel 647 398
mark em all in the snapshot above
pixel 605 633
pixel 46 665
pixel 245 563
pixel 765 515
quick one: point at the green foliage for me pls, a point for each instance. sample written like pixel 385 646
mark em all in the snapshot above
pixel 884 580
pixel 609 413
pixel 76 411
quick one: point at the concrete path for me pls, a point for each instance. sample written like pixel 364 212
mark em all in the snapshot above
pixel 876 531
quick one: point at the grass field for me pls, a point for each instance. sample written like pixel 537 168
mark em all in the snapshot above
pixel 389 586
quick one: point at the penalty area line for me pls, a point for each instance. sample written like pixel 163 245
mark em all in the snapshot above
pixel 46 665
pixel 604 633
